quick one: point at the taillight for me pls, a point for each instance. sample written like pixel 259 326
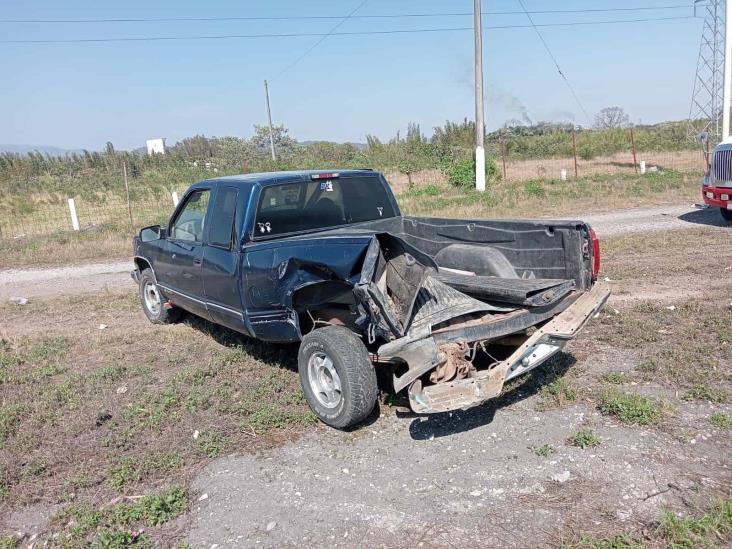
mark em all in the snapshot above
pixel 595 254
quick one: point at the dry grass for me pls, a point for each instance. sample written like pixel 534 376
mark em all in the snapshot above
pixel 546 198
pixel 89 415
pixel 107 235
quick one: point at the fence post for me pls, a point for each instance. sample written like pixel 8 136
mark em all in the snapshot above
pixel 127 189
pixel 632 142
pixel 174 195
pixel 574 152
pixel 503 157
pixel 72 211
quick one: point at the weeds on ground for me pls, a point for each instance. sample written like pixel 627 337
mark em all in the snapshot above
pixel 616 378
pixel 545 450
pixel 584 438
pixel 703 531
pixel 706 394
pixel 630 408
pixel 130 470
pixel 706 531
pixel 619 541
pixel 720 420
pixel 118 525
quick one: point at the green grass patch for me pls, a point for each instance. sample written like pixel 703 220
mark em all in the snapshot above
pixel 557 393
pixel 615 378
pixel 212 442
pixel 630 408
pixel 706 394
pixel 584 438
pixel 720 420
pixel 619 541
pixel 698 532
pixel 545 450
pixel 129 470
pixel 10 419
pixel 83 525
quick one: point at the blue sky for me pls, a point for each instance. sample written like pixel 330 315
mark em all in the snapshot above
pixel 82 95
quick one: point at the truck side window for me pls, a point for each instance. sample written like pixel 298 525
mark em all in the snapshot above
pixel 192 218
pixel 222 224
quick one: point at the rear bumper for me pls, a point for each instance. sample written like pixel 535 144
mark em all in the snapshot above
pixel 717 197
pixel 544 343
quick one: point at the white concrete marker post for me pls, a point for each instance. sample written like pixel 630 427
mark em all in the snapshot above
pixel 563 174
pixel 174 195
pixel 642 167
pixel 74 218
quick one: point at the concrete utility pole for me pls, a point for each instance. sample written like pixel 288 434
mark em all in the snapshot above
pixel 269 117
pixel 727 71
pixel 479 122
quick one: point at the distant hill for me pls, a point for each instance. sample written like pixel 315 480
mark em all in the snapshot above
pixel 45 149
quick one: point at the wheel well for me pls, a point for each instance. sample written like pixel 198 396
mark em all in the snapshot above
pixel 141 264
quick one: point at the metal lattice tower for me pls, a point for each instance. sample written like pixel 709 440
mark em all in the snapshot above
pixel 705 115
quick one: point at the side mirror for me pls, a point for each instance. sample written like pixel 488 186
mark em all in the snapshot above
pixel 153 232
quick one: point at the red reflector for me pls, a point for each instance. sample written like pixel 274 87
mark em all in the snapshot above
pixel 595 254
pixel 324 175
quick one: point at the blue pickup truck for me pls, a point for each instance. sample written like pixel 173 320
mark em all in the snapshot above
pixel 448 309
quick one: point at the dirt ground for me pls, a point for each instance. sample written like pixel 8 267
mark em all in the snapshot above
pixel 99 407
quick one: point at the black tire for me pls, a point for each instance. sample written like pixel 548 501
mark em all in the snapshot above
pixel 356 376
pixel 726 214
pixel 155 314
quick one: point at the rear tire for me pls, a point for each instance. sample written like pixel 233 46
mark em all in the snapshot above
pixel 152 301
pixel 337 376
pixel 726 214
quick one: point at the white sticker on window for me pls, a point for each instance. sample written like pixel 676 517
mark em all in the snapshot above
pixel 326 186
pixel 264 227
pixel 273 201
pixel 381 211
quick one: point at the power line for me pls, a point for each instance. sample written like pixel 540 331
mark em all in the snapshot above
pixel 556 63
pixel 321 40
pixel 348 33
pixel 324 17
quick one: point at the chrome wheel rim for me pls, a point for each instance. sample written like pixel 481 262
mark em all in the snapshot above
pixel 152 298
pixel 324 380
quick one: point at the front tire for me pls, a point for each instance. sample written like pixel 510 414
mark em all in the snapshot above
pixel 726 214
pixel 337 376
pixel 152 301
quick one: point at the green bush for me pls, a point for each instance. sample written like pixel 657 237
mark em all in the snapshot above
pixel 586 153
pixel 461 172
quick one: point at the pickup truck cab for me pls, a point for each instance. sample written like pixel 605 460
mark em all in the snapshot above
pixel 449 309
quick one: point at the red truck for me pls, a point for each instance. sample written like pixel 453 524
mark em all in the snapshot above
pixel 717 187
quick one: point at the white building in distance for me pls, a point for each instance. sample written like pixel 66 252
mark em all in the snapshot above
pixel 156 146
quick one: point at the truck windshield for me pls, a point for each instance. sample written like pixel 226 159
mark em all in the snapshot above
pixel 321 203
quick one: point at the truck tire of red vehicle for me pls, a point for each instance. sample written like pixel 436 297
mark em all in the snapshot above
pixel 152 301
pixel 337 376
pixel 726 214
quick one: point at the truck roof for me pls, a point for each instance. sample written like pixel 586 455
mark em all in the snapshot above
pixel 271 178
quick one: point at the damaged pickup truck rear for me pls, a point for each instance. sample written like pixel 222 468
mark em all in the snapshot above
pixel 446 310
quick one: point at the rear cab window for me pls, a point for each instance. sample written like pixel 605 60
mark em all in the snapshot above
pixel 321 204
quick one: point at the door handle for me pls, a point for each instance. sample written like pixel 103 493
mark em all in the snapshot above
pixel 197 262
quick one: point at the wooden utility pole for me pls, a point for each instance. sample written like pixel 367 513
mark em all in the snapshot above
pixel 574 151
pixel 479 120
pixel 269 118
pixel 127 189
pixel 632 144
